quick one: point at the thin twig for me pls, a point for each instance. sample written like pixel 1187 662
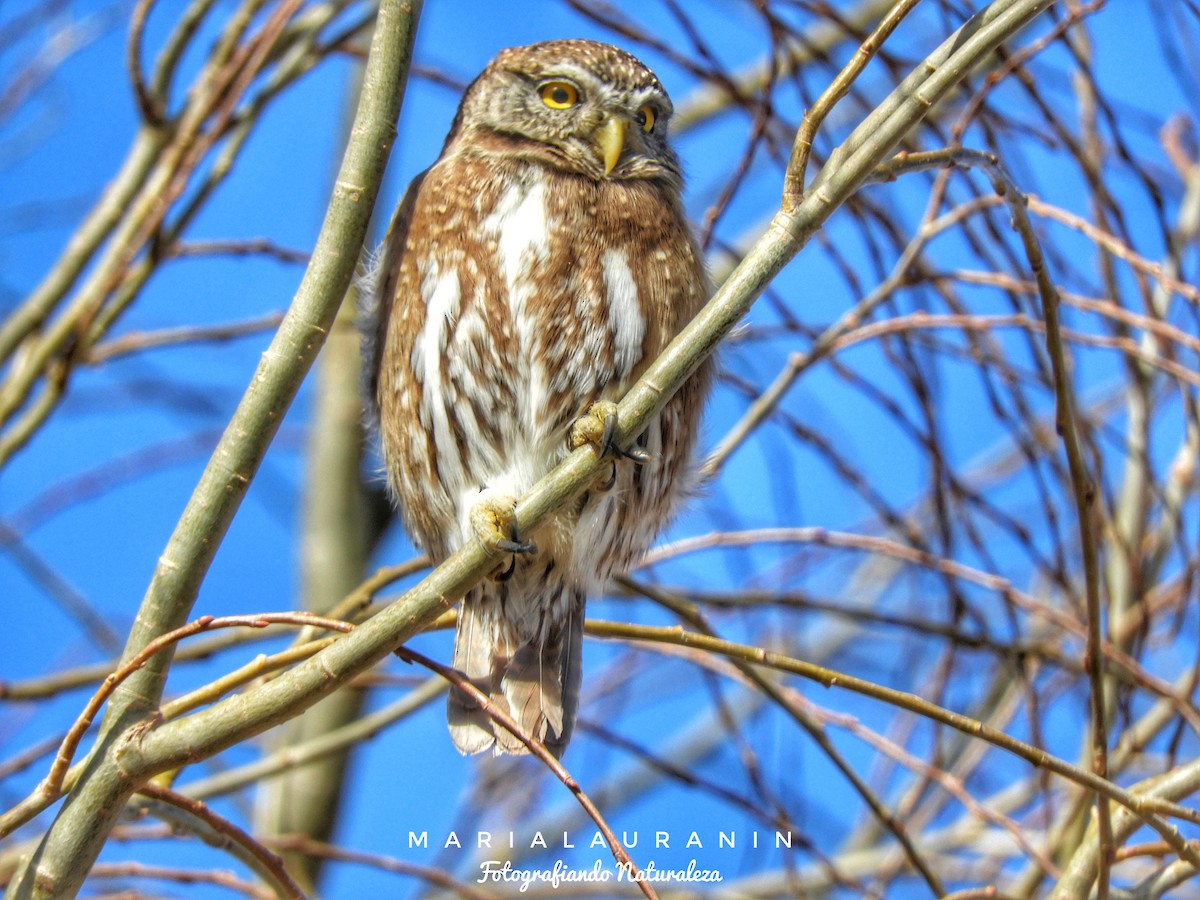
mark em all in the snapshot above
pixel 537 748
pixel 437 877
pixel 149 105
pixel 793 185
pixel 271 864
pixel 62 761
pixel 1148 810
pixel 885 816
pixel 137 341
pixel 1083 489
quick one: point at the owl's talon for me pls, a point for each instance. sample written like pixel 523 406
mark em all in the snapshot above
pixel 502 575
pixel 610 481
pixel 598 427
pixel 608 443
pixel 635 454
pixel 608 437
pixel 514 546
pixel 494 521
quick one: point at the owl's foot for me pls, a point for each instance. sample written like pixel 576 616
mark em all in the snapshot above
pixel 598 427
pixel 494 521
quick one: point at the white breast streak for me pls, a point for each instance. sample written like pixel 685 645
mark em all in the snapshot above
pixel 442 295
pixel 521 227
pixel 624 312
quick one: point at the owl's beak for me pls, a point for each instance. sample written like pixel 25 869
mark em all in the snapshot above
pixel 610 141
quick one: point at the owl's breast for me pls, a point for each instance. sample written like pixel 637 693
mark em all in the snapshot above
pixel 555 288
pixel 576 308
pixel 526 295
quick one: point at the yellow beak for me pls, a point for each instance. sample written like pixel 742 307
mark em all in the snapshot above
pixel 610 141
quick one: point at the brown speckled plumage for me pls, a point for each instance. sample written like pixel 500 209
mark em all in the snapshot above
pixel 521 282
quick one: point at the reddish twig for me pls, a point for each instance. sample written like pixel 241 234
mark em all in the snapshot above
pixel 52 784
pixel 538 749
pixel 271 863
pixel 434 876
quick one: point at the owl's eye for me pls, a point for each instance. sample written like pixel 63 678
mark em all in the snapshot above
pixel 559 94
pixel 645 117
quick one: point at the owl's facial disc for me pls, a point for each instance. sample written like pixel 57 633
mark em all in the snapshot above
pixel 562 94
pixel 597 126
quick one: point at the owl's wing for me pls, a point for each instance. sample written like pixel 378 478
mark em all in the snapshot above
pixel 376 297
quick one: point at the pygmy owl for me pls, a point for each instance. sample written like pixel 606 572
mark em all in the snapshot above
pixel 528 278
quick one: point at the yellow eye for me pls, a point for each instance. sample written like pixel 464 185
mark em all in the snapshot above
pixel 559 94
pixel 645 117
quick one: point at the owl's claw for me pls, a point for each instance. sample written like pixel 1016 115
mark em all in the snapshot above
pixel 493 519
pixel 513 545
pixel 507 572
pixel 610 482
pixel 598 427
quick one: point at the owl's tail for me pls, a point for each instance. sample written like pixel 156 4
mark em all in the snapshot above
pixel 531 674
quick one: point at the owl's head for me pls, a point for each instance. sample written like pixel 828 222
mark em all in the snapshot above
pixel 577 105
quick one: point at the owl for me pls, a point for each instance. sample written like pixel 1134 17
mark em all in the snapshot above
pixel 528 278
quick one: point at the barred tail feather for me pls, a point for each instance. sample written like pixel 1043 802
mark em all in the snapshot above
pixel 570 662
pixel 535 681
pixel 474 654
